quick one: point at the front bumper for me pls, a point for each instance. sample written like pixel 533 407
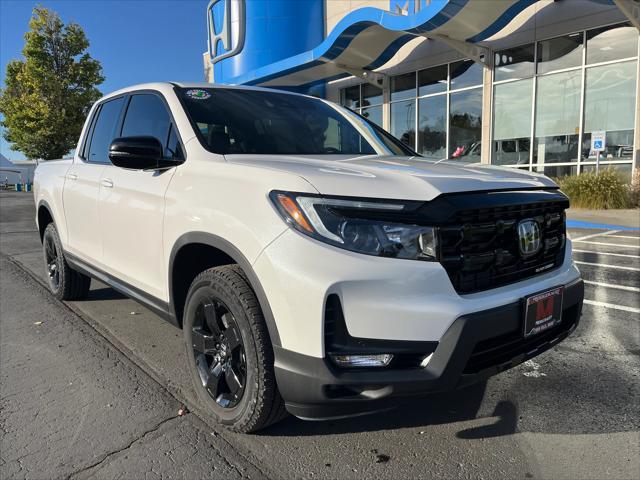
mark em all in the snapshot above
pixel 474 347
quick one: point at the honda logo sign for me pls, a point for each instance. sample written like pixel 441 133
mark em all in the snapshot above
pixel 226 22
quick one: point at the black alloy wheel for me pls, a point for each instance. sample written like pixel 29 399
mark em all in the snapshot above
pixel 65 282
pixel 52 260
pixel 219 352
pixel 229 352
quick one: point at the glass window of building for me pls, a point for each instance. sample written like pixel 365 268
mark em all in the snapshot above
pixel 558 117
pixel 432 127
pixel 432 80
pixel 350 97
pixel 558 171
pixel 465 73
pixel 465 125
pixel 612 43
pixel 574 95
pixel 560 53
pixel 610 99
pixel 371 95
pixel 512 122
pixel 514 63
pixel 403 86
pixel 374 114
pixel 403 120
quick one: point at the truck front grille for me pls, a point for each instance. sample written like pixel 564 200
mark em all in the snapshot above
pixel 479 247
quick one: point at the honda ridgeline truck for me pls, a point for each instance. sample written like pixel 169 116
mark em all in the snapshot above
pixel 315 263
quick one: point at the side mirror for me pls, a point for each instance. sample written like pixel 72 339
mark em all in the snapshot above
pixel 136 153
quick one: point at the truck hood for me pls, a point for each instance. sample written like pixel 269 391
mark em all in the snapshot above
pixel 407 178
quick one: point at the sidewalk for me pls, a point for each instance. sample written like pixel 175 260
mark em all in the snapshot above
pixel 605 219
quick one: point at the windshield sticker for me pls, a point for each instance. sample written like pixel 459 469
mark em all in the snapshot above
pixel 197 94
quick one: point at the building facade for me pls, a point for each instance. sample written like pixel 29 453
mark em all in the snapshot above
pixel 518 83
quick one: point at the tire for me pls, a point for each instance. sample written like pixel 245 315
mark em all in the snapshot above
pixel 229 352
pixel 64 282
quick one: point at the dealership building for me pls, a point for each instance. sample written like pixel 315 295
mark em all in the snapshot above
pixel 543 85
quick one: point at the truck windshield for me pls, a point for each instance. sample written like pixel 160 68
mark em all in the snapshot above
pixel 235 121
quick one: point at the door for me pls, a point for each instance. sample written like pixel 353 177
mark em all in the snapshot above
pixel 132 202
pixel 82 184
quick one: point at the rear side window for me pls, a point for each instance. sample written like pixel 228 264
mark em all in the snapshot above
pixel 104 130
pixel 147 116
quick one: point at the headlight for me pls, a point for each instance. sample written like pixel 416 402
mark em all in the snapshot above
pixel 360 226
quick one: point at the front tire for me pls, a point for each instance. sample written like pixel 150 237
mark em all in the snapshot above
pixel 229 352
pixel 64 282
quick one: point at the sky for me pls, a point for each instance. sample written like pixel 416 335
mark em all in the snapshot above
pixel 136 41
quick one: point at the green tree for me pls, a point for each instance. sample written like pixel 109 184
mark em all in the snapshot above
pixel 48 95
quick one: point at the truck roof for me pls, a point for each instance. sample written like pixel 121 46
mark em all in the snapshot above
pixel 166 86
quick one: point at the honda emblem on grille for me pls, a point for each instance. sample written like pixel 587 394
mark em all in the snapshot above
pixel 529 237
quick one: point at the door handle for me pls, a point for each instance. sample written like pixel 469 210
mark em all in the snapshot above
pixel 72 176
pixel 107 182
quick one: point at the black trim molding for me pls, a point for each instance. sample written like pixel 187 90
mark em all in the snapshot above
pixel 159 307
pixel 204 238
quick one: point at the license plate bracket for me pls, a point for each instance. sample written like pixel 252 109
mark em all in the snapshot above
pixel 543 311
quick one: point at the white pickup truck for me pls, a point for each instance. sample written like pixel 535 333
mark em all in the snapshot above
pixel 314 262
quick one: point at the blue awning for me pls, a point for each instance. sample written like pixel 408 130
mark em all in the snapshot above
pixel 368 38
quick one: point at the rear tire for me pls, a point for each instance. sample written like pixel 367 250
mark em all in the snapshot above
pixel 229 352
pixel 64 282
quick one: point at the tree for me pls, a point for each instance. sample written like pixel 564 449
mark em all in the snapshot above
pixel 48 95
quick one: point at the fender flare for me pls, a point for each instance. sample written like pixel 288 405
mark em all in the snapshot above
pixel 236 255
pixel 45 204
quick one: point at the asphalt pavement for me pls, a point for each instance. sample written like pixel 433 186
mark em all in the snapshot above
pixel 93 389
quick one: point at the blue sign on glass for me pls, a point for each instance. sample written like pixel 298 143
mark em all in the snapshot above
pixel 598 141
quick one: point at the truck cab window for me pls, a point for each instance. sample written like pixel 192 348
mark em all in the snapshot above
pixel 104 130
pixel 147 116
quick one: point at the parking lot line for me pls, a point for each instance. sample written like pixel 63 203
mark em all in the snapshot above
pixel 604 244
pixel 624 308
pixel 611 285
pixel 624 236
pixel 607 253
pixel 609 232
pixel 604 265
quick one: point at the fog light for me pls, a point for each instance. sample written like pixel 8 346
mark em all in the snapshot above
pixel 381 360
pixel 425 360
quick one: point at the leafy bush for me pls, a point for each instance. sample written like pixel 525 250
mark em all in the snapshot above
pixel 596 191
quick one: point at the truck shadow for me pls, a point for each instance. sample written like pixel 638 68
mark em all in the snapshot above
pixel 104 293
pixel 458 406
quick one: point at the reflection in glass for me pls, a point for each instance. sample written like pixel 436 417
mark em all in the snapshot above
pixel 465 73
pixel 619 146
pixel 612 43
pixel 403 121
pixel 512 122
pixel 465 120
pixel 432 127
pixel 371 95
pixel 558 171
pixel 559 53
pixel 374 114
pixel 403 86
pixel 557 118
pixel 432 80
pixel 610 98
pixel 514 63
pixel 350 97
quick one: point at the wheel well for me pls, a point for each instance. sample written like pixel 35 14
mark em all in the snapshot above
pixel 189 261
pixel 44 219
